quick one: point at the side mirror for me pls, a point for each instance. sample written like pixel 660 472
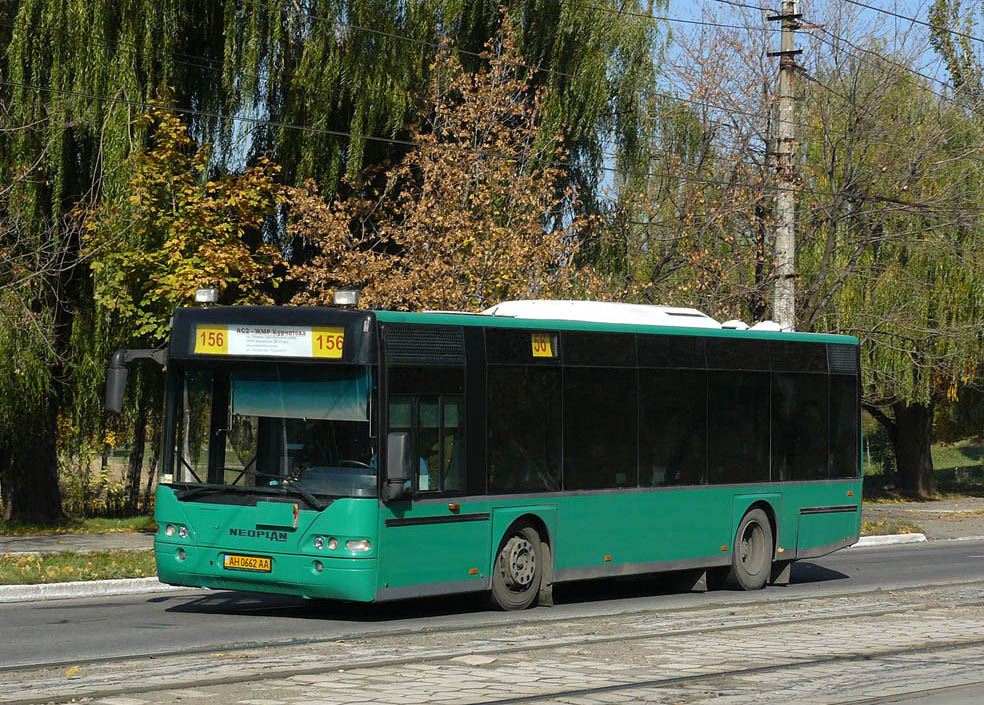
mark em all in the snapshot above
pixel 115 384
pixel 397 465
pixel 116 373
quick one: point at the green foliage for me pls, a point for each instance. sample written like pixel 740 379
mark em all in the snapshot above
pixel 179 232
pixel 957 50
pixel 888 250
pixel 358 66
pixel 961 419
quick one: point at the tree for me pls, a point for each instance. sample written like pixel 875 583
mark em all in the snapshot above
pixel 694 228
pixel 889 214
pixel 951 38
pixel 69 70
pixel 893 252
pixel 179 232
pixel 355 66
pixel 32 257
pixel 277 79
pixel 472 216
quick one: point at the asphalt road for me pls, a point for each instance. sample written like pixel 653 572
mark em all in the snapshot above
pixel 76 630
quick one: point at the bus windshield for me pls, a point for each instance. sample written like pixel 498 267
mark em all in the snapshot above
pixel 270 426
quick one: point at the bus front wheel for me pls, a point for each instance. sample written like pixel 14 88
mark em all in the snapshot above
pixel 751 560
pixel 518 569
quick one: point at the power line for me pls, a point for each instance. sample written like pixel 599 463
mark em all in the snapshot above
pixel 915 20
pixel 216 64
pixel 750 7
pixel 660 18
pixel 448 148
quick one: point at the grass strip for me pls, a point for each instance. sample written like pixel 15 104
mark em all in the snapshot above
pixel 888 527
pixel 68 567
pixel 80 526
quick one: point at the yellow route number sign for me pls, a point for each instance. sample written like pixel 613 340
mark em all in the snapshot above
pixel 328 342
pixel 212 340
pixel 543 345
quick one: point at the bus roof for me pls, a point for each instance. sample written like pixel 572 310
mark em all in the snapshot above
pixel 662 321
pixel 700 324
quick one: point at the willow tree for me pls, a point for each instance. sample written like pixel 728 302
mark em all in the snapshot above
pixel 323 87
pixel 892 242
pixel 72 72
pixel 952 38
pixel 353 72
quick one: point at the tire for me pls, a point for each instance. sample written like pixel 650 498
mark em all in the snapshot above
pixel 518 569
pixel 751 559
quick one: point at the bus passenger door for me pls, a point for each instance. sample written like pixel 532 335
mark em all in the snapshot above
pixel 432 543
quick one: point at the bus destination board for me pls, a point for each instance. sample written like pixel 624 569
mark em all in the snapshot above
pixel 269 341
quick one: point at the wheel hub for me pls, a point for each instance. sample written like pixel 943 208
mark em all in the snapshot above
pixel 518 563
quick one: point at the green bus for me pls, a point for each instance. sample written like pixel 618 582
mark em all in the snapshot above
pixel 367 455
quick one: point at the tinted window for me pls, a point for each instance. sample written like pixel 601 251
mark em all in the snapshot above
pixel 737 354
pixel 788 356
pixel 737 427
pixel 426 380
pixel 672 427
pixel 601 349
pixel 844 451
pixel 524 427
pixel 671 351
pixel 429 445
pixel 799 427
pixel 600 428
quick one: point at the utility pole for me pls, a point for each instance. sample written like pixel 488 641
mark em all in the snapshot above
pixel 784 302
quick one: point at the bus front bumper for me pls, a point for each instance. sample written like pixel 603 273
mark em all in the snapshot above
pixel 286 574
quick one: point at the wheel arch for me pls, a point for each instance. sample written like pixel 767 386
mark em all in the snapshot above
pixel 543 519
pixel 770 503
pixel 770 513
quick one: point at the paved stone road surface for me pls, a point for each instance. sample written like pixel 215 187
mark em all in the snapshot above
pixel 816 650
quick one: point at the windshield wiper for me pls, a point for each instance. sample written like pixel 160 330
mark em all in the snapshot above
pixel 203 490
pixel 305 495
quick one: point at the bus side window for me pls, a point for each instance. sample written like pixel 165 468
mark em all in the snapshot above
pixel 453 447
pixel 436 438
pixel 401 418
pixel 429 446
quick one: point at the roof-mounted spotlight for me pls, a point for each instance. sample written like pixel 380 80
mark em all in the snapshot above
pixel 346 298
pixel 206 296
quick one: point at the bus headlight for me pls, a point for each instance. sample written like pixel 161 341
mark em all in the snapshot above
pixel 357 545
pixel 319 542
pixel 332 544
pixel 182 532
pixel 169 530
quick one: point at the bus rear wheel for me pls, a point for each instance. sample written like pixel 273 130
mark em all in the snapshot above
pixel 751 560
pixel 518 569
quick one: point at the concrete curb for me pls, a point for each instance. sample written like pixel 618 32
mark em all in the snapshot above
pixel 889 540
pixel 82 588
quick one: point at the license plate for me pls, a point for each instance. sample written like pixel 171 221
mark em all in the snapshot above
pixel 258 563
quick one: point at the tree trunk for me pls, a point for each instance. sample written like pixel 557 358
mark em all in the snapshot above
pixel 911 440
pixel 29 472
pixel 136 456
pixel 149 489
